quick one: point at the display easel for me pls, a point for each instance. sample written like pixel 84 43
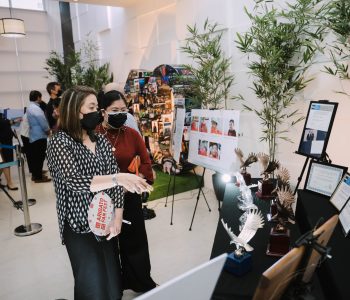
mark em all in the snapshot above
pixel 200 191
pixel 323 156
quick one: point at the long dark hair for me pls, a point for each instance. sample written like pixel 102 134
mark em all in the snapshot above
pixel 69 110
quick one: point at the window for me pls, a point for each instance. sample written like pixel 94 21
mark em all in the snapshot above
pixel 24 4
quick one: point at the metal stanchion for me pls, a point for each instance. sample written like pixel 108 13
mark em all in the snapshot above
pixel 28 228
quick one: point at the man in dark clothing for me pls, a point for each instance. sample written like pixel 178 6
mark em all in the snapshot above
pixel 54 90
pixel 6 135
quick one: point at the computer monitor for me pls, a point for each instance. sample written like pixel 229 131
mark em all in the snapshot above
pixel 275 280
pixel 196 284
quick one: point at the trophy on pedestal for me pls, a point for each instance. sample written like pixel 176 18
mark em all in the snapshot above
pixel 282 182
pixel 239 262
pixel 279 241
pixel 265 186
pixel 246 163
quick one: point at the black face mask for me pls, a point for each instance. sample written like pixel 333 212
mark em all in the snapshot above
pixel 91 120
pixel 117 120
pixel 59 93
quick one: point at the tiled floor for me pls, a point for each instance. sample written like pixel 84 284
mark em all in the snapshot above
pixel 37 267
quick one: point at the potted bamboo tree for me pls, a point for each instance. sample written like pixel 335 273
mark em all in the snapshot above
pixel 338 21
pixel 211 78
pixel 79 67
pixel 281 45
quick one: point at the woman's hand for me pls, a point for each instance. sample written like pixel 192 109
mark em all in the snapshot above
pixel 133 183
pixel 115 226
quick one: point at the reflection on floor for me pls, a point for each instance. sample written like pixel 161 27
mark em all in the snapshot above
pixel 37 267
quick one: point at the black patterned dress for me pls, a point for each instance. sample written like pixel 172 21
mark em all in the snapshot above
pixel 96 266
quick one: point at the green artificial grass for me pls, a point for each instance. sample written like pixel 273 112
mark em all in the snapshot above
pixel 183 183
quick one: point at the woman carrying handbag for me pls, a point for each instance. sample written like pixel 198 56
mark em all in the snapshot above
pixel 131 155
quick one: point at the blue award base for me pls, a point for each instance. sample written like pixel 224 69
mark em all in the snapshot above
pixel 238 265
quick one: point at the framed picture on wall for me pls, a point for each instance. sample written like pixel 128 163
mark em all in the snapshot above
pixel 317 128
pixel 323 178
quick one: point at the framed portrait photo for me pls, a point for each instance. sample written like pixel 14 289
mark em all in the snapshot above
pixel 323 178
pixel 317 128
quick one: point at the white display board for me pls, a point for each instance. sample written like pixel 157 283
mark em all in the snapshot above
pixel 178 132
pixel 213 139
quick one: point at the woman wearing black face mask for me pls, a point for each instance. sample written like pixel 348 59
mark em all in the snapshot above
pixel 126 145
pixel 81 163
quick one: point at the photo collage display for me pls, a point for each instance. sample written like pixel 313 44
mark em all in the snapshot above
pixel 213 138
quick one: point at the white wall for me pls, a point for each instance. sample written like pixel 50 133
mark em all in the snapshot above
pixel 22 70
pixel 151 33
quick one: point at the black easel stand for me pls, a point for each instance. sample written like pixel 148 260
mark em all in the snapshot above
pixel 198 195
pixel 172 176
pixel 301 174
pixel 324 158
pixel 200 184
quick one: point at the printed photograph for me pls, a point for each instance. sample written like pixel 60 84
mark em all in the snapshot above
pixel 216 126
pixel 214 150
pixel 310 135
pixel 154 126
pixel 203 124
pixel 203 147
pixel 230 129
pixel 194 123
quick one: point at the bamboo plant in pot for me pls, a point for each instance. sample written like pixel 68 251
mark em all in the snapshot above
pixel 211 77
pixel 79 67
pixel 338 21
pixel 281 45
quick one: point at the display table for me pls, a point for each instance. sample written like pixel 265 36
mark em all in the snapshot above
pixel 334 273
pixel 230 286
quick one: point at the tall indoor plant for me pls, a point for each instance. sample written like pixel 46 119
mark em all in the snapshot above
pixel 281 45
pixel 211 76
pixel 338 21
pixel 79 67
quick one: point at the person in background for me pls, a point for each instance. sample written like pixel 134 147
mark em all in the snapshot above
pixel 81 164
pixel 56 113
pixel 24 132
pixel 39 130
pixel 55 91
pixel 6 136
pixel 126 144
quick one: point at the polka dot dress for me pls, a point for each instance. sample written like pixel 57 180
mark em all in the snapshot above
pixel 72 166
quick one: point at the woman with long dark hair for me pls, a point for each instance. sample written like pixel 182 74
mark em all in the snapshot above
pixel 126 145
pixel 81 163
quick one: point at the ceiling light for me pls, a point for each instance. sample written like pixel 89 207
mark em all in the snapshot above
pixel 12 27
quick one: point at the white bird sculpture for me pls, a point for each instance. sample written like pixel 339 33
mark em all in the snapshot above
pixel 254 221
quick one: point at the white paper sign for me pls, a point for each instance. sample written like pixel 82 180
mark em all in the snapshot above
pixel 323 179
pixel 344 218
pixel 342 193
pixel 100 213
pixel 213 139
pixel 320 116
pixel 177 136
pixel 316 147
